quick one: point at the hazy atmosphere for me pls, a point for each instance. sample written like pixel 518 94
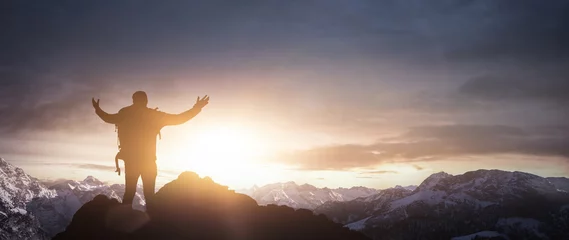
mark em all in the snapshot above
pixel 327 92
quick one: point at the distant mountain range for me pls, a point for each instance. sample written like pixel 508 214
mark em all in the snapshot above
pixel 501 204
pixel 506 205
pixel 304 196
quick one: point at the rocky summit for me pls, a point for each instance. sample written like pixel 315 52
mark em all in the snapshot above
pixel 191 207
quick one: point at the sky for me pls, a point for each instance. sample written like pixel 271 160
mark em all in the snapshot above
pixel 328 92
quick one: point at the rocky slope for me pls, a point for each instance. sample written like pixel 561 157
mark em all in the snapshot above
pixel 360 208
pixel 197 208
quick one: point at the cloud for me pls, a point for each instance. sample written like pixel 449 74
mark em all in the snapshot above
pixel 457 132
pixel 345 62
pixel 112 168
pixel 527 31
pixel 34 99
pixel 380 172
pixel 544 86
pixel 417 167
pixel 429 143
pixel 331 158
pixel 96 167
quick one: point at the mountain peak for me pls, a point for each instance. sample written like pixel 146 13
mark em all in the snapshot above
pixel 90 180
pixel 5 165
pixel 410 187
pixel 433 180
pixel 307 187
pixel 441 174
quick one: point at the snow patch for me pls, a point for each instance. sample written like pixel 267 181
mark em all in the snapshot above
pixel 487 234
pixel 357 226
pixel 304 196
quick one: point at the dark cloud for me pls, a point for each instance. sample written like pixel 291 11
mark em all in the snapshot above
pixel 417 167
pixel 458 132
pixel 435 142
pixel 522 31
pixel 523 87
pixel 29 103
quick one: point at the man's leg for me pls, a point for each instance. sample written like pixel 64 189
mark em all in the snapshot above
pixel 148 176
pixel 131 174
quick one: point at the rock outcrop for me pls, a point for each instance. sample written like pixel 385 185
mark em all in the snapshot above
pixel 191 207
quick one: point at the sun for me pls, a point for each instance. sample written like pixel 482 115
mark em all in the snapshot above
pixel 226 153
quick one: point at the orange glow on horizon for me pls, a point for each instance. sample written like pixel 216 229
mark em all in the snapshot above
pixel 227 153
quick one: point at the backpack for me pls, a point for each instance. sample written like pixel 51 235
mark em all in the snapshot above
pixel 118 137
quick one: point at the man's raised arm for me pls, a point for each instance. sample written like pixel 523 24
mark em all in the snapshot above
pixel 176 119
pixel 108 118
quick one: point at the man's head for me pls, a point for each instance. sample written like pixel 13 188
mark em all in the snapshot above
pixel 139 98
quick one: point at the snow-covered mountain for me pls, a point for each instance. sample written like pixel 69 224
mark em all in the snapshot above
pixel 30 209
pixel 410 187
pixel 516 204
pixel 17 189
pixel 363 207
pixel 303 196
pixel 561 183
pixel 56 213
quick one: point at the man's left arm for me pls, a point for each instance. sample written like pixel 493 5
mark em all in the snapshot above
pixel 176 119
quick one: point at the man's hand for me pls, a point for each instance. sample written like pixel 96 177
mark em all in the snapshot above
pixel 95 103
pixel 200 103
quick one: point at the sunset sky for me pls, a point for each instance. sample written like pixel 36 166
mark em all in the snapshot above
pixel 328 92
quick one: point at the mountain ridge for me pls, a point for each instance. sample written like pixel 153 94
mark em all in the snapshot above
pixel 480 200
pixel 303 196
pixel 31 209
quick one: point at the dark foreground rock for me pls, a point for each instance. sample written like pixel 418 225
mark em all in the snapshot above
pixel 197 208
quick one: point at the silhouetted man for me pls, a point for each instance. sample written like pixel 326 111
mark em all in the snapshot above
pixel 138 127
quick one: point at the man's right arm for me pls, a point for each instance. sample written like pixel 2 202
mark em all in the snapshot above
pixel 108 118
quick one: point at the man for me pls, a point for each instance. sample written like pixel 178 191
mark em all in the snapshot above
pixel 138 127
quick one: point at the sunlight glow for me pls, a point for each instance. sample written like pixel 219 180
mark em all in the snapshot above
pixel 230 154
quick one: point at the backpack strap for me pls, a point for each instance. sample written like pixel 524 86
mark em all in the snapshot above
pixel 118 139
